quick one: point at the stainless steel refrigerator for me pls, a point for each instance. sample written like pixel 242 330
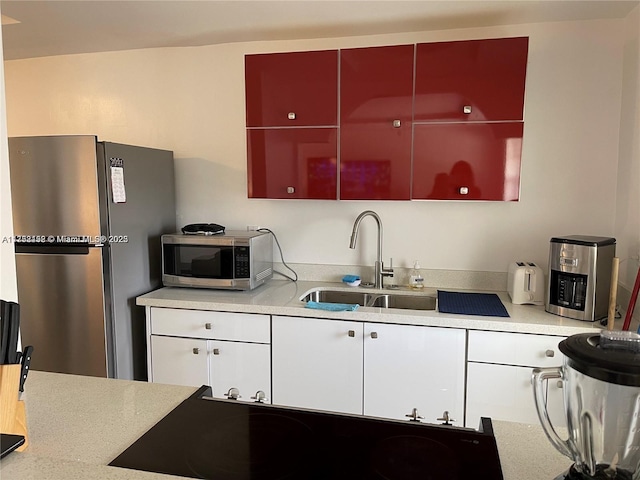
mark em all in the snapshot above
pixel 88 216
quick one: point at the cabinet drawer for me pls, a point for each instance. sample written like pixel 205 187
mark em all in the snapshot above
pixel 523 349
pixel 243 327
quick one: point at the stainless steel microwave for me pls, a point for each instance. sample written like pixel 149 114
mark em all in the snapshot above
pixel 235 260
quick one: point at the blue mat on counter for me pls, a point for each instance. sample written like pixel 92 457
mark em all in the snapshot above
pixel 332 307
pixel 487 304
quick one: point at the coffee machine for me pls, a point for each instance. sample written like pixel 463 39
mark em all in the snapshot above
pixel 580 276
pixel 600 378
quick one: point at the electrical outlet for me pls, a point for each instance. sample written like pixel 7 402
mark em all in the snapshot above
pixel 252 228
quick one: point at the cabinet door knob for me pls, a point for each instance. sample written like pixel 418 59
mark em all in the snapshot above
pixel 352 333
pixel 216 351
pixel 550 353
pixel 466 109
pixel 196 351
pixel 374 334
pixel 291 189
pixel 291 115
pixel 559 384
pixel 233 393
pixel 397 124
pixel 463 190
pixel 207 326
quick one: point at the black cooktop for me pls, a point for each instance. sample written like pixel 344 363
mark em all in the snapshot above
pixel 231 440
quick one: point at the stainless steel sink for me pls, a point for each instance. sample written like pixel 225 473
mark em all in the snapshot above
pixel 409 302
pixel 378 300
pixel 339 296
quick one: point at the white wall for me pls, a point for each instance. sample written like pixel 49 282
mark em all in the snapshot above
pixel 627 225
pixel 8 287
pixel 191 100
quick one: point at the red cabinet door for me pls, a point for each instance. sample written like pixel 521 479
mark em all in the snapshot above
pixel 467 161
pixel 474 80
pixel 292 163
pixel 376 90
pixel 292 89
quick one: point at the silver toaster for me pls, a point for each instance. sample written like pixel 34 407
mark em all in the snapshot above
pixel 525 283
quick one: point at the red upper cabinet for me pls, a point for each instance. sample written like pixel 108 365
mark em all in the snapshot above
pixel 292 163
pixel 472 80
pixel 292 89
pixel 376 95
pixel 467 161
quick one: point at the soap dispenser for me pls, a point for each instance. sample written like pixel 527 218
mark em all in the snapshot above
pixel 415 278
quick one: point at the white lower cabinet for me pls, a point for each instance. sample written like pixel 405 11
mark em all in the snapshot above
pixel 317 363
pixel 499 376
pixel 220 349
pixel 407 367
pixel 377 369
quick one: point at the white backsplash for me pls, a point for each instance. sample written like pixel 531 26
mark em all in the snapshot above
pixel 444 279
pixel 458 279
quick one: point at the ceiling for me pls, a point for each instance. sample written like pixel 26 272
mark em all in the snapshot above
pixel 59 27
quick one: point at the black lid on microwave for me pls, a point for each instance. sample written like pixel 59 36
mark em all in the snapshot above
pixel 588 354
pixel 587 240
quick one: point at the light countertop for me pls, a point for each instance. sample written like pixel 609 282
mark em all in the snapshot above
pixel 77 425
pixel 283 297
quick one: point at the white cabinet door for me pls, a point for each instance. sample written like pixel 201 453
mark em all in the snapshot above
pixel 410 367
pixel 179 361
pixel 245 366
pixel 501 392
pixel 505 392
pixel 317 363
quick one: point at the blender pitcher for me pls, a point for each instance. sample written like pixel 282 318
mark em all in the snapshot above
pixel 600 378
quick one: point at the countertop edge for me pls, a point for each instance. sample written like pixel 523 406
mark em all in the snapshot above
pixel 283 298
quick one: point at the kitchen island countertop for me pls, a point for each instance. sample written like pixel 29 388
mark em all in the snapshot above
pixel 78 424
pixel 282 297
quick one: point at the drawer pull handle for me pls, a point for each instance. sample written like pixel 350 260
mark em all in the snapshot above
pixel 397 124
pixel 207 326
pixel 352 333
pixel 216 351
pixel 559 384
pixel 374 334
pixel 467 109
pixel 291 115
pixel 196 351
pixel 550 353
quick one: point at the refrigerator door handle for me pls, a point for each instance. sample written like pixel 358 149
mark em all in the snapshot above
pixel 53 249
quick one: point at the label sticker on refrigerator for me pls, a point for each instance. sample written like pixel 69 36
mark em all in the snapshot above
pixel 117 180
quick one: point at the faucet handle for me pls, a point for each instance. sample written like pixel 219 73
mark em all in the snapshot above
pixel 387 271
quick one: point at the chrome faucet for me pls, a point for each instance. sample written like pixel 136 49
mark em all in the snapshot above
pixel 380 271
